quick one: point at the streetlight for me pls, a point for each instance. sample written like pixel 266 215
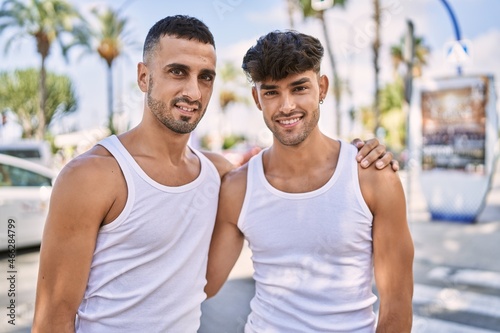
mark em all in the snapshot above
pixel 456 28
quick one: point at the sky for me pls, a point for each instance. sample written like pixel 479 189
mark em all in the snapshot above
pixel 236 24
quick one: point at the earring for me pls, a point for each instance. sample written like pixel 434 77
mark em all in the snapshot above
pixel 321 101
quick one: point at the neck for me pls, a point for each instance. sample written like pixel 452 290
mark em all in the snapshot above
pixel 156 141
pixel 313 152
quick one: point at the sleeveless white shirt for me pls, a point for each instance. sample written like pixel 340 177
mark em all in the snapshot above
pixel 149 265
pixel 312 253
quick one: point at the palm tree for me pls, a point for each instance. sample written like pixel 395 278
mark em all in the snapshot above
pixel 111 38
pixel 46 21
pixel 307 12
pixel 19 94
pixel 291 7
pixel 376 50
pixel 233 88
pixel 422 52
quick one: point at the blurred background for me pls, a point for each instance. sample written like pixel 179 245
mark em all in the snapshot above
pixel 417 74
pixel 88 51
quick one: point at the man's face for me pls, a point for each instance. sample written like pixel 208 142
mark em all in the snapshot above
pixel 291 106
pixel 178 79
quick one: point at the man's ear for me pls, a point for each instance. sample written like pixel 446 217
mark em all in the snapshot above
pixel 323 86
pixel 255 96
pixel 142 76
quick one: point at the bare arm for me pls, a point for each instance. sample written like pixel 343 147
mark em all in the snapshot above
pixel 392 249
pixel 81 199
pixel 371 152
pixel 227 239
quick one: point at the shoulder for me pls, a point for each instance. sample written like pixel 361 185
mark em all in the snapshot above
pixel 222 165
pixel 378 186
pixel 236 178
pixel 94 170
pixel 90 164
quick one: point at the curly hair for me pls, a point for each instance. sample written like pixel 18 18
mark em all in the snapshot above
pixel 180 26
pixel 281 53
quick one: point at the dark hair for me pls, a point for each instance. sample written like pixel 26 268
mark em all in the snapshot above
pixel 180 26
pixel 281 53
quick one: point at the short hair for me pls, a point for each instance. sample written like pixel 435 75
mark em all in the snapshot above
pixel 180 26
pixel 281 53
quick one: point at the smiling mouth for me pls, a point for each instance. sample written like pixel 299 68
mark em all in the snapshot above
pixel 288 122
pixel 185 109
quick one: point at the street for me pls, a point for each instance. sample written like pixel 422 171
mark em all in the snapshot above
pixel 456 269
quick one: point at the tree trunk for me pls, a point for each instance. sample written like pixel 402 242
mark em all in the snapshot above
pixel 290 7
pixel 111 124
pixel 336 80
pixel 376 50
pixel 40 130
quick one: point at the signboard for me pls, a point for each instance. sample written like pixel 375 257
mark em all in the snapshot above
pixel 458 52
pixel 454 133
pixel 454 127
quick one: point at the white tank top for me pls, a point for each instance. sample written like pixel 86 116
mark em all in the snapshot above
pixel 312 253
pixel 149 265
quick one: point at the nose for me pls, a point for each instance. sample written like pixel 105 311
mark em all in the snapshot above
pixel 192 89
pixel 287 103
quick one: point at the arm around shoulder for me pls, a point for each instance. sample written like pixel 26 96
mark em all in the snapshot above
pixel 227 239
pixel 220 162
pixel 392 248
pixel 81 198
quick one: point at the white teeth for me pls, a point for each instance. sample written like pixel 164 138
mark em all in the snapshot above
pixel 185 109
pixel 289 122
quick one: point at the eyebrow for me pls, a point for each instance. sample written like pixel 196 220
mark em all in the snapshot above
pixel 176 65
pixel 187 69
pixel 303 80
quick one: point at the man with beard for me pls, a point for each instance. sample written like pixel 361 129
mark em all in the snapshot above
pixel 317 224
pixel 126 239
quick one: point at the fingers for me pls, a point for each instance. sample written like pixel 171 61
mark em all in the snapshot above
pixel 370 153
pixel 364 148
pixel 395 165
pixel 358 143
pixel 385 160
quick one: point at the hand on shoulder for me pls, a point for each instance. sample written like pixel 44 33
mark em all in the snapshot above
pixel 220 162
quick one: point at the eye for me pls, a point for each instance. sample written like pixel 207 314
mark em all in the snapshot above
pixel 270 93
pixel 207 77
pixel 300 88
pixel 176 71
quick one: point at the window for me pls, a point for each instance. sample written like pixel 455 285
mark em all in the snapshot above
pixel 14 176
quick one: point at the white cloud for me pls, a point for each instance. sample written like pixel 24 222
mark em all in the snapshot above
pixel 276 15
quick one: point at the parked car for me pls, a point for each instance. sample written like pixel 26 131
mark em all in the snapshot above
pixel 25 189
pixel 37 151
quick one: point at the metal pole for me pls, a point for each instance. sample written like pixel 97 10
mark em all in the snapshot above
pixel 408 56
pixel 458 36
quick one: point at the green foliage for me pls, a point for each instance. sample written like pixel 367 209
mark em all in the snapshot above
pixel 45 20
pixel 308 11
pixel 231 140
pixel 422 52
pixel 234 87
pixel 392 117
pixel 19 91
pixel 110 39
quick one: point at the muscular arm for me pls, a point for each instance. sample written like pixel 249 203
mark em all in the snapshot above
pixel 81 199
pixel 227 239
pixel 392 249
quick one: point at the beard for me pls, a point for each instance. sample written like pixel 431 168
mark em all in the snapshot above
pixel 285 136
pixel 163 112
